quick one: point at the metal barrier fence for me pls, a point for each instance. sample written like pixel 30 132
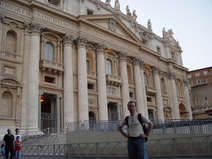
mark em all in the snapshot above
pixel 173 147
pixel 168 126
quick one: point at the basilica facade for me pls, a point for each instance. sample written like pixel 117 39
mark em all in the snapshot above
pixel 80 60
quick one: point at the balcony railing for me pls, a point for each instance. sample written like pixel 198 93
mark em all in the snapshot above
pixel 51 67
pixel 113 80
pixel 10 56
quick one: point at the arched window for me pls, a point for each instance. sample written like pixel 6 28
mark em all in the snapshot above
pixel 108 67
pixel 145 79
pixel 49 52
pixel 11 42
pixel 7 105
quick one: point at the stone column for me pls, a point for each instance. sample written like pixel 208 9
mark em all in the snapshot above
pixel 138 86
pixel 24 104
pixel 33 76
pixel 68 80
pixel 173 96
pixel 58 112
pixel 82 79
pixel 125 84
pixel 188 104
pixel 159 99
pixel 102 90
pixel 143 89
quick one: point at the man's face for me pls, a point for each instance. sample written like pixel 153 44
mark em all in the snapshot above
pixel 9 131
pixel 131 107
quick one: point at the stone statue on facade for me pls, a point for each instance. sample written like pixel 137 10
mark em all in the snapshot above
pixel 134 16
pixel 149 25
pixel 128 11
pixel 107 2
pixel 117 5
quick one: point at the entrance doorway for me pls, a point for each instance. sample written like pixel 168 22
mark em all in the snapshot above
pixel 112 111
pixel 48 112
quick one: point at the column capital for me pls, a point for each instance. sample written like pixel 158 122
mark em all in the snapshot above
pixel 171 75
pixel 156 70
pixel 142 64
pixel 123 57
pixel 82 41
pixel 136 61
pixel 100 48
pixel 33 27
pixel 68 39
pixel 2 16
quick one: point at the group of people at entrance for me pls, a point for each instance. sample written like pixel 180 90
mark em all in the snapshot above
pixel 11 146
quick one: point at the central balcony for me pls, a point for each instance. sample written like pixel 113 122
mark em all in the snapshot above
pixel 113 80
pixel 51 67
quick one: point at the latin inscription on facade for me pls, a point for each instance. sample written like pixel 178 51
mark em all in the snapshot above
pixel 66 25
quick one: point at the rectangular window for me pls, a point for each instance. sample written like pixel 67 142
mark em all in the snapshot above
pixel 131 94
pixel 198 81
pixel 205 72
pixel 206 80
pixel 158 49
pixel 89 12
pixel 149 99
pixel 197 74
pixel 91 86
pixel 189 76
pixel 49 79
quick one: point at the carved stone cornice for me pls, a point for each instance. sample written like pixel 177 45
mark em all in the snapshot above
pixel 33 27
pixel 90 48
pixel 68 39
pixel 100 48
pixel 82 41
pixel 123 57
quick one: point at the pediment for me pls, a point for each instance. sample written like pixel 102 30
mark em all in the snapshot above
pixel 113 24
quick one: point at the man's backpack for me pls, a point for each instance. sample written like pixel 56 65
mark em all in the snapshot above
pixel 141 121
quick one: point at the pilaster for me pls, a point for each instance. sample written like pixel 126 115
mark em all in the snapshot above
pixel 173 96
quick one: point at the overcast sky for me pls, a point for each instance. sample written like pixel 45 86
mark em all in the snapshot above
pixel 190 21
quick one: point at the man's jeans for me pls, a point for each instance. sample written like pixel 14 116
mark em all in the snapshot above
pixel 17 154
pixel 137 148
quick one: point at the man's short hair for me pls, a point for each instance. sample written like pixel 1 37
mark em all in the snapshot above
pixel 131 102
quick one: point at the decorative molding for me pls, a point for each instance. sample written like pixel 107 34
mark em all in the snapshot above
pixel 112 24
pixel 123 57
pixel 82 41
pixel 100 48
pixel 68 39
pixel 34 27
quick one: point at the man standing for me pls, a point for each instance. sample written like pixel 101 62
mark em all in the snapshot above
pixel 136 137
pixel 9 143
pixel 17 134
